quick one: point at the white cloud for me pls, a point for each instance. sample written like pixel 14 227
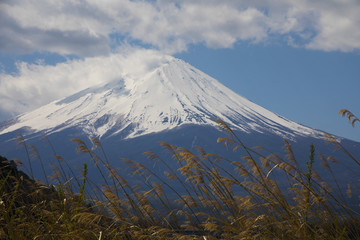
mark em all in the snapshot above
pixel 338 27
pixel 36 84
pixel 54 26
pixel 83 27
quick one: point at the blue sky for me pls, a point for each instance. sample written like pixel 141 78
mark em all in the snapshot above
pixel 299 59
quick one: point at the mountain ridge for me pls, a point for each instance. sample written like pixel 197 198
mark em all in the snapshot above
pixel 170 95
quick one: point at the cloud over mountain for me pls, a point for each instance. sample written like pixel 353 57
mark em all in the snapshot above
pixel 38 84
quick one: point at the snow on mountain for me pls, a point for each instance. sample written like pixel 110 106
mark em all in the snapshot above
pixel 170 95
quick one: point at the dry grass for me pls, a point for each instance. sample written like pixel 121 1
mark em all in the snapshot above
pixel 265 197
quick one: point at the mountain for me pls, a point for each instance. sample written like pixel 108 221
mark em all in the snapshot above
pixel 172 102
pixel 169 96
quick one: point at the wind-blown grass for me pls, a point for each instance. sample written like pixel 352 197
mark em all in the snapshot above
pixel 262 197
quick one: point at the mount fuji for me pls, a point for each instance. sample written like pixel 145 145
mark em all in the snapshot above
pixel 171 95
pixel 172 102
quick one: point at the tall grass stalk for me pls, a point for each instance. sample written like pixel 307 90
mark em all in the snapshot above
pixel 198 196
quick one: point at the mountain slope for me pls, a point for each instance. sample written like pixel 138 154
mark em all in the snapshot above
pixel 171 95
pixel 173 102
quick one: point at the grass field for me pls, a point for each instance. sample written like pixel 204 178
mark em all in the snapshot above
pixel 265 197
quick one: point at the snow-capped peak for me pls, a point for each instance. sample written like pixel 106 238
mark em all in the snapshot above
pixel 165 97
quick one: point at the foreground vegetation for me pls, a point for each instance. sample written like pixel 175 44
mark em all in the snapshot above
pixel 266 197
